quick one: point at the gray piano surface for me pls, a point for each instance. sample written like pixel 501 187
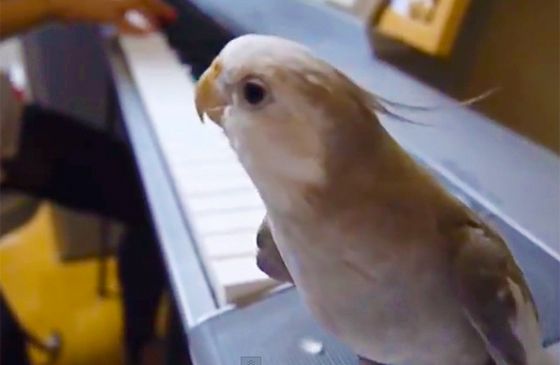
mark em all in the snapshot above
pixel 500 174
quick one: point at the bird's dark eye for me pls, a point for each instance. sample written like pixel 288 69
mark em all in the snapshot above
pixel 253 92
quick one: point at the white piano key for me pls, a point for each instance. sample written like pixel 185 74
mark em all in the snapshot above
pixel 241 278
pixel 167 92
pixel 219 169
pixel 224 207
pixel 206 185
pixel 223 191
pixel 232 245
pixel 234 221
pixel 197 144
pixel 201 159
pixel 200 155
pixel 227 201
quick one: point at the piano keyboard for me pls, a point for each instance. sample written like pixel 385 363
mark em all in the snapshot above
pixel 221 203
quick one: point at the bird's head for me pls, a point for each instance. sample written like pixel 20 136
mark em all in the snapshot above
pixel 285 112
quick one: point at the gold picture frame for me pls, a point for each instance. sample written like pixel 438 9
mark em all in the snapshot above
pixel 434 36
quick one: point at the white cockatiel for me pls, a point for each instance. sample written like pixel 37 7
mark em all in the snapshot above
pixel 382 255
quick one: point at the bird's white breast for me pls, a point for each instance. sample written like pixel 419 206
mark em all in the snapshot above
pixel 269 163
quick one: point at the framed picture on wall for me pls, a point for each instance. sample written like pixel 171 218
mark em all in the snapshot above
pixel 430 26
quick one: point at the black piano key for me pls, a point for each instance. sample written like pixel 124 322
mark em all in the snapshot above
pixel 195 37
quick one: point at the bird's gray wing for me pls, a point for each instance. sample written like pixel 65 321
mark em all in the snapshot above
pixel 493 290
pixel 268 257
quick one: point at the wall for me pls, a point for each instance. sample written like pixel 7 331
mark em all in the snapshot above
pixel 511 44
pixel 517 48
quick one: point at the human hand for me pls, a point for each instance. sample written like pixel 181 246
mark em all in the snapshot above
pixel 115 12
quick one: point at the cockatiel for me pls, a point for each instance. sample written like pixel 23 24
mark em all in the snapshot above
pixel 381 254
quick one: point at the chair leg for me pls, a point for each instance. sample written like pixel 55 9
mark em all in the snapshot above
pixel 52 345
pixel 12 337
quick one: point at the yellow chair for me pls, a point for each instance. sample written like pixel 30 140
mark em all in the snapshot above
pixel 49 295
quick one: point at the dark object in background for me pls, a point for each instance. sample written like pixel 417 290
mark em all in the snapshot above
pixel 16 209
pixel 196 38
pixel 64 160
pixel 12 338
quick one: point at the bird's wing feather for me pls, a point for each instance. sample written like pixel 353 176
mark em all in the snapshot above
pixel 268 256
pixel 496 298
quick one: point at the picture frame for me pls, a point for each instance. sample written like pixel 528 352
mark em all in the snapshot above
pixel 434 35
pixel 432 32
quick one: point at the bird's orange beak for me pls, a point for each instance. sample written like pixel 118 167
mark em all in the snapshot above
pixel 208 99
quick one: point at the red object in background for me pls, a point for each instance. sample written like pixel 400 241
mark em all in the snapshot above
pixel 18 91
pixel 20 95
pixel 169 18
